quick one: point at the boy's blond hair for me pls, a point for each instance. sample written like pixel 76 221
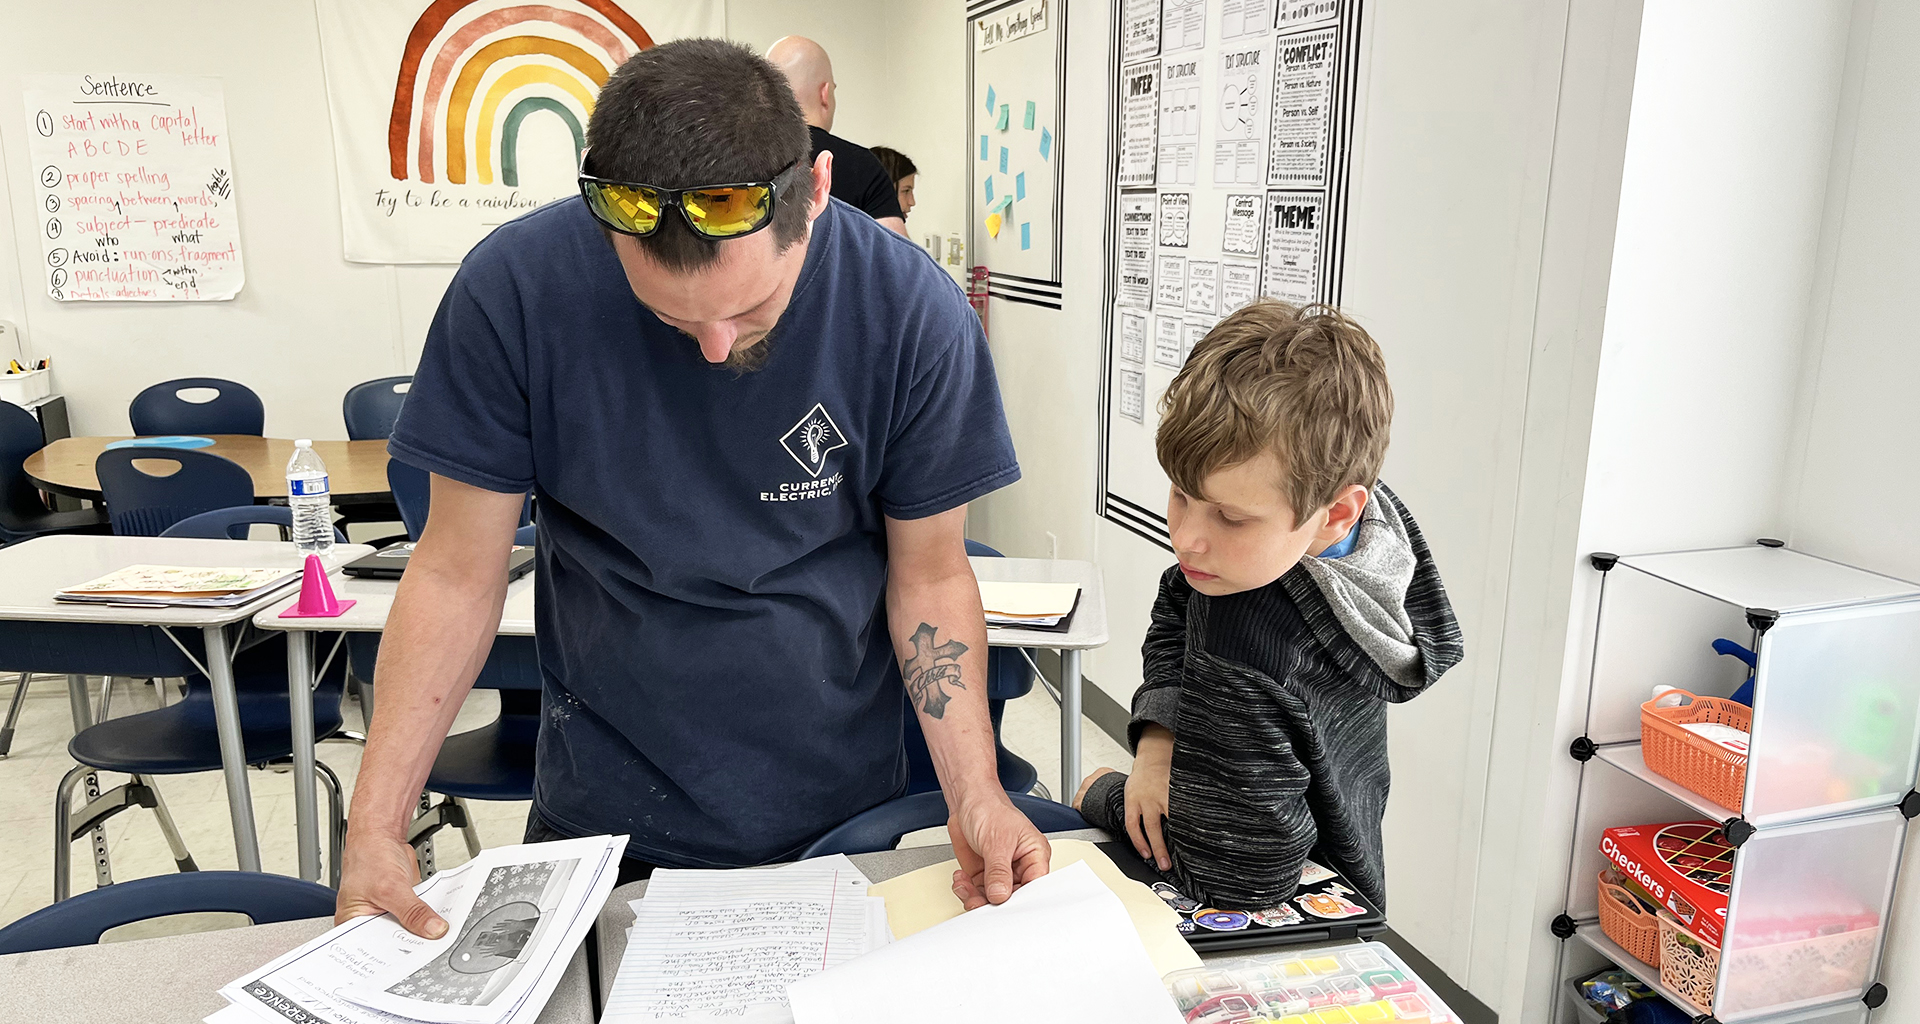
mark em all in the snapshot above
pixel 1307 384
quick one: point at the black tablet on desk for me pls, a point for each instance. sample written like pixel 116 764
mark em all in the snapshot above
pixel 389 562
pixel 1324 909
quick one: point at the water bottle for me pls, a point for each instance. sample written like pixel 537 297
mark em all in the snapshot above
pixel 310 499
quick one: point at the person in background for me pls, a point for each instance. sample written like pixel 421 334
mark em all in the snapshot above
pixel 858 179
pixel 899 166
pixel 1304 603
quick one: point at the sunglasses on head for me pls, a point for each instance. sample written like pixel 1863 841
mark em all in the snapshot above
pixel 712 211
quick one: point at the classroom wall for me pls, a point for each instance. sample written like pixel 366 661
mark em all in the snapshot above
pixel 356 321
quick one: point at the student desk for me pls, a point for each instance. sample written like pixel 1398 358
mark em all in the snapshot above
pixel 616 917
pixel 1088 629
pixel 177 979
pixel 356 470
pixel 30 573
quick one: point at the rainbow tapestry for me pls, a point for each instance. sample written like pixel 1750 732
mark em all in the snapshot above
pixel 451 117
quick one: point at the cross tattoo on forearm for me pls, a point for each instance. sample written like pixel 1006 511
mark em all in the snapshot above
pixel 929 668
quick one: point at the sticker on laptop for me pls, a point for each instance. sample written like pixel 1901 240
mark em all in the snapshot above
pixel 1311 874
pixel 1327 905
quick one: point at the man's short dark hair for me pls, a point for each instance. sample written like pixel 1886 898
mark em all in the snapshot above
pixel 702 112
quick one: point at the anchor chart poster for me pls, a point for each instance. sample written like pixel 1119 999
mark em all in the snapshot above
pixel 455 116
pixel 133 188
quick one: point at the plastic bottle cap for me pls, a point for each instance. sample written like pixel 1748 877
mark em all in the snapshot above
pixel 303 443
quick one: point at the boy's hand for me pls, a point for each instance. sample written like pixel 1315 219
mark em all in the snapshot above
pixel 1147 794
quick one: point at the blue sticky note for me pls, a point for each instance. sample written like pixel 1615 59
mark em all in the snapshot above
pixel 989 99
pixel 1006 117
pixel 989 188
pixel 1019 186
pixel 1000 204
pixel 1029 122
pixel 1003 159
pixel 983 147
pixel 1026 235
pixel 1046 144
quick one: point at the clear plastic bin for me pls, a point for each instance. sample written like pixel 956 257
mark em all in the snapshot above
pixel 1353 984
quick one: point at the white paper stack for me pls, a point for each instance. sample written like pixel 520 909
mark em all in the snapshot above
pixel 514 914
pixel 710 945
pixel 1040 605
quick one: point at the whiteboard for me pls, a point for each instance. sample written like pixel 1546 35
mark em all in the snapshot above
pixel 1016 74
pixel 1231 128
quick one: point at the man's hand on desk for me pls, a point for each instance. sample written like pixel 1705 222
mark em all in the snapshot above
pixel 998 848
pixel 377 877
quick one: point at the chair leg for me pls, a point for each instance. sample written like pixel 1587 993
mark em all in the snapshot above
pixel 62 828
pixel 182 859
pixel 82 711
pixel 106 699
pixel 160 690
pixel 13 713
pixel 336 820
pixel 469 831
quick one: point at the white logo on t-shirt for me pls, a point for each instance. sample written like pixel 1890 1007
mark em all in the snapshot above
pixel 812 439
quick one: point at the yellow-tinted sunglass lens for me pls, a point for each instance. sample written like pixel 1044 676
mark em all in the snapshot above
pixel 727 211
pixel 628 208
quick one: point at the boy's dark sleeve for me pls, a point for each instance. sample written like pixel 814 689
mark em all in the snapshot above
pixel 1157 701
pixel 1239 825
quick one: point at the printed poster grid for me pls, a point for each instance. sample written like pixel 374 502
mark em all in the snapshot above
pixel 1288 194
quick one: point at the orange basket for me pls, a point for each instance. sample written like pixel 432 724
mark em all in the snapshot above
pixel 1688 965
pixel 1631 926
pixel 1693 761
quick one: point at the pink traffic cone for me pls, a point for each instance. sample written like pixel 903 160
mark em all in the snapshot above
pixel 316 595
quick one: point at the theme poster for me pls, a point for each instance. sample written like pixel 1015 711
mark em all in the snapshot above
pixel 1294 220
pixel 133 188
pixel 452 118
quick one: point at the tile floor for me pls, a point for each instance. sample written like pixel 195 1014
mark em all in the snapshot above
pixel 198 802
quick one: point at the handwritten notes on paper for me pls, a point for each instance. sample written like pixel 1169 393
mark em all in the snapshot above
pixel 133 187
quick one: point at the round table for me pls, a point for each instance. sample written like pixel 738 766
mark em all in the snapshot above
pixel 356 470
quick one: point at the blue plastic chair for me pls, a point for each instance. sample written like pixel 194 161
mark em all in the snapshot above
pixel 182 739
pixel 237 523
pixel 880 828
pixel 23 516
pixel 413 491
pixel 80 921
pixel 142 505
pixel 160 409
pixel 370 409
pixel 1008 678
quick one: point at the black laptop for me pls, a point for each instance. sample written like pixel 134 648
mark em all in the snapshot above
pixel 1325 908
pixel 389 562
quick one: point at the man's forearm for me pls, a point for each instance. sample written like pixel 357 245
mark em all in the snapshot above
pixel 438 635
pixel 940 635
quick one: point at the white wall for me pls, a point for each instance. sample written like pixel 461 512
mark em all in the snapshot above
pixel 356 321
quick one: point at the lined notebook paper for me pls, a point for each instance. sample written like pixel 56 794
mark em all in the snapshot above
pixel 724 945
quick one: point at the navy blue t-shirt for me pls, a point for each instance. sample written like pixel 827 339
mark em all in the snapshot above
pixel 712 557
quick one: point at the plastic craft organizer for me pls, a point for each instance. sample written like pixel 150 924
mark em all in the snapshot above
pixel 1819 819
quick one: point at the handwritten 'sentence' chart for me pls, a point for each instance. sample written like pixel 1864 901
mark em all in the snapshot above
pixel 133 187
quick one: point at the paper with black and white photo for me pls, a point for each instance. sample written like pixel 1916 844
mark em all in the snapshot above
pixel 1298 13
pixel 1240 113
pixel 1139 30
pixel 1183 25
pixel 1170 282
pixel 1245 18
pixel 1133 395
pixel 1135 287
pixel 1203 287
pixel 1302 108
pixel 1239 284
pixel 1174 210
pixel 1241 236
pixel 1133 338
pixel 1139 123
pixel 1294 224
pixel 1181 102
pixel 1166 342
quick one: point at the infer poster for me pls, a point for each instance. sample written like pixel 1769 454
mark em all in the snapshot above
pixel 134 197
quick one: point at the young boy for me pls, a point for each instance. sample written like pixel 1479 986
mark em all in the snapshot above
pixel 1305 600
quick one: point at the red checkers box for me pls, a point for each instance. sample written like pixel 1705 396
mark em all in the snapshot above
pixel 1686 866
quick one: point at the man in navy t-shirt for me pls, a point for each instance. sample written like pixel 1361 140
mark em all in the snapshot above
pixel 752 418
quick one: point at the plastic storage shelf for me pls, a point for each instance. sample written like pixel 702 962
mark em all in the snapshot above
pixel 1834 745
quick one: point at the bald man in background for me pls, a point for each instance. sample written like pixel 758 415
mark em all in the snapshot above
pixel 857 177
